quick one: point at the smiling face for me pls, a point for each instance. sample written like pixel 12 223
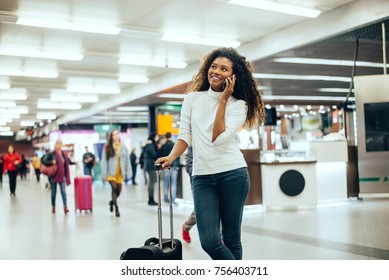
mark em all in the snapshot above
pixel 220 69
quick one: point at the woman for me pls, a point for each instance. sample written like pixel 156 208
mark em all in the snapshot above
pixel 150 156
pixel 223 97
pixel 115 166
pixel 134 165
pixel 1 168
pixel 12 160
pixel 61 176
pixel 23 169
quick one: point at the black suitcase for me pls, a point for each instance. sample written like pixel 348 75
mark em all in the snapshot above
pixel 158 248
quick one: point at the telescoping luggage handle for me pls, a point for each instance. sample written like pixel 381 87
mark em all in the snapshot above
pixel 158 168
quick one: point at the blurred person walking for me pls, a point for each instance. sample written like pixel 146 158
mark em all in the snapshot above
pixel 36 164
pixel 150 156
pixel 1 168
pixel 11 162
pixel 171 174
pixel 62 174
pixel 134 165
pixel 191 220
pixel 88 160
pixel 23 168
pixel 115 167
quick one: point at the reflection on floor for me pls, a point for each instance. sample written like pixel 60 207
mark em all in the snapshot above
pixel 349 230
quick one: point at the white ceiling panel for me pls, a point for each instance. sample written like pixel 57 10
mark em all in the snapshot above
pixel 142 23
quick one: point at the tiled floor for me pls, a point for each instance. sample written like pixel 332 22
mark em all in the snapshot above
pixel 28 231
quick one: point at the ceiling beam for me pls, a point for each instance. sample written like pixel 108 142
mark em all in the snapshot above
pixel 329 24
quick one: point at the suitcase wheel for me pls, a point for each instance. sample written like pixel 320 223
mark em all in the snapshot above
pixel 151 241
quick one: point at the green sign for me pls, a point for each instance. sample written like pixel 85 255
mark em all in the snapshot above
pixel 105 128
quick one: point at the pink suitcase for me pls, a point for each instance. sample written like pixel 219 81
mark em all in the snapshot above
pixel 83 193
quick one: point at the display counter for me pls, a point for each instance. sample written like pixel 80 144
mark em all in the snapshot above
pixel 288 178
pixel 310 172
pixel 331 167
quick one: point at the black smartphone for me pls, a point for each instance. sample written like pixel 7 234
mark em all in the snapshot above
pixel 224 83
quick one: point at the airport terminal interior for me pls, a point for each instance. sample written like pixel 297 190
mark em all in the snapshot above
pixel 318 164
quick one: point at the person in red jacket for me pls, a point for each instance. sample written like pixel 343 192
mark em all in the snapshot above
pixel 11 161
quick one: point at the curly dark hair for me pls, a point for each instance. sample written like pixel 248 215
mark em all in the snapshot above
pixel 246 86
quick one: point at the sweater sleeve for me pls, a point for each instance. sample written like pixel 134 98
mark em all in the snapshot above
pixel 104 165
pixel 185 120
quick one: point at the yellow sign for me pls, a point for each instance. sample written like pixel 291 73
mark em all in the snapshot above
pixel 165 124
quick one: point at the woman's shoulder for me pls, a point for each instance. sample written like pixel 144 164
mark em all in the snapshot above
pixel 195 94
pixel 237 102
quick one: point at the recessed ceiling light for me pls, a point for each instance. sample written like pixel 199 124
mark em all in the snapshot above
pixel 212 41
pixel 277 7
pixel 92 27
pixel 335 62
pixel 132 108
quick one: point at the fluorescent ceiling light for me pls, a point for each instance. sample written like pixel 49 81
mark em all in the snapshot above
pixel 6 133
pixel 335 90
pixel 14 94
pixel 21 110
pixel 40 74
pixel 5 128
pixel 133 79
pixel 301 77
pixel 182 38
pixel 7 104
pixel 4 83
pixel 335 62
pixel 132 108
pixel 91 89
pixel 46 116
pixel 58 105
pixel 41 54
pixel 9 116
pixel 146 61
pixel 2 122
pixel 124 113
pixel 27 123
pixel 72 97
pixel 172 95
pixel 31 73
pixel 308 98
pixel 65 25
pixel 93 85
pixel 277 7
pixel 126 118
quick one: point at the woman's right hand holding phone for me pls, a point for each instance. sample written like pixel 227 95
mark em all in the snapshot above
pixel 229 87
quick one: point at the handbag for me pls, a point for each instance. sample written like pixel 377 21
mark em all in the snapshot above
pixel 49 170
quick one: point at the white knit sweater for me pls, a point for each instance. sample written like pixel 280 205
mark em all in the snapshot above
pixel 197 117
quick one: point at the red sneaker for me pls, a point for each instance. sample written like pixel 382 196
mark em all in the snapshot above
pixel 185 234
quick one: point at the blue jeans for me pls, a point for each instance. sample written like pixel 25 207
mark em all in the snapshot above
pixel 173 173
pixel 219 200
pixel 62 187
pixel 87 170
pixel 152 183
